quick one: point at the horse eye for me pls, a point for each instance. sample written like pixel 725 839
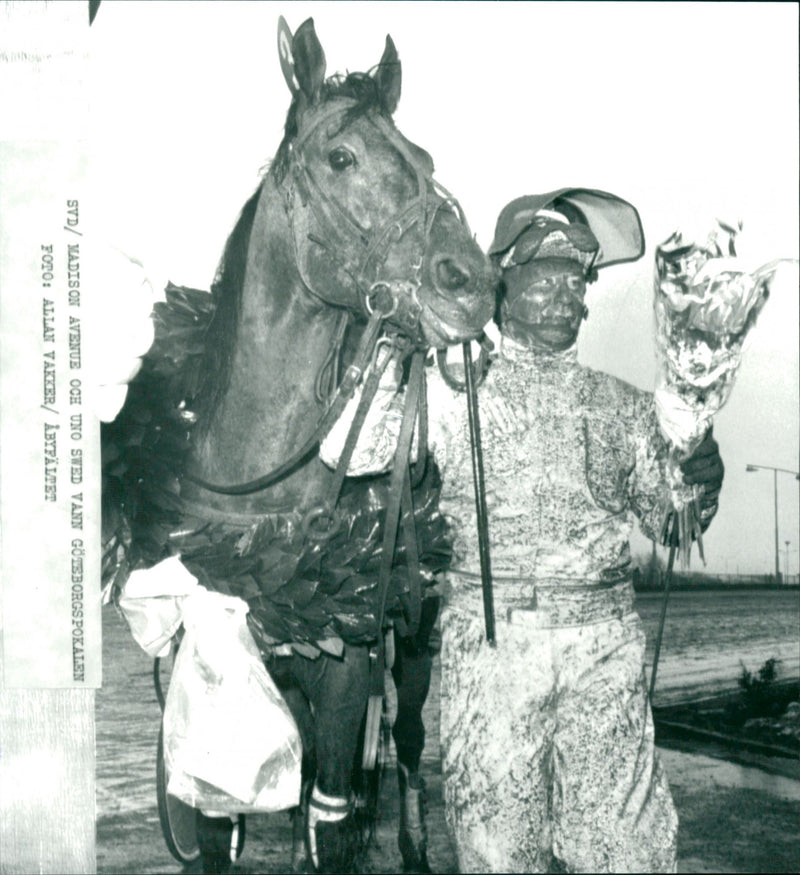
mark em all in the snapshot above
pixel 341 158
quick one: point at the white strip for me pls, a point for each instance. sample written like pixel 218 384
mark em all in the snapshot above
pixel 317 815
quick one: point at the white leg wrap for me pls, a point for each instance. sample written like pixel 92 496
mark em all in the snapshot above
pixel 325 808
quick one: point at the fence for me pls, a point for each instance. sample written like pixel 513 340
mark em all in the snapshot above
pixel 652 580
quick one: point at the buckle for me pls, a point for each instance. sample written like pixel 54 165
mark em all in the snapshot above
pixel 380 289
pixel 322 515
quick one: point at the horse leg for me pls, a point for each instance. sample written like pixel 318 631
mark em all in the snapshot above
pixel 215 835
pixel 214 838
pixel 411 672
pixel 338 691
pixel 298 704
pixel 298 817
pixel 283 675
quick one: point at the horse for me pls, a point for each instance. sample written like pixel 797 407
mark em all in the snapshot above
pixel 346 243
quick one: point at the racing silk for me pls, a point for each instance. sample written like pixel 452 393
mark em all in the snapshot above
pixel 571 457
pixel 548 757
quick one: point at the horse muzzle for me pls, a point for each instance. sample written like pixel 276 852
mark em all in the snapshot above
pixel 458 299
pixel 450 303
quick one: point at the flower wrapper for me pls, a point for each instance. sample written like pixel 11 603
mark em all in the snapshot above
pixel 152 603
pixel 231 744
pixel 706 301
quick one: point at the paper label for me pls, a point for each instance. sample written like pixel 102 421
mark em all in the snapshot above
pixel 50 460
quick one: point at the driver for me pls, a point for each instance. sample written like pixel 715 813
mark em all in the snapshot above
pixel 547 738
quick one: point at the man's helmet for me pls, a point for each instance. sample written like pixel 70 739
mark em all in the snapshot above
pixel 592 227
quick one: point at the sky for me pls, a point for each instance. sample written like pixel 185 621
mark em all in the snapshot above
pixel 688 110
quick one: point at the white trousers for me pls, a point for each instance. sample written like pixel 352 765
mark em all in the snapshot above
pixel 548 752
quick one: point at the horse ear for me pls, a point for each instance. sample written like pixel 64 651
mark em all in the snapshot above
pixel 285 55
pixel 389 76
pixel 309 60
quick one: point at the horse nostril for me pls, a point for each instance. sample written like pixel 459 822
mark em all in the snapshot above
pixel 450 275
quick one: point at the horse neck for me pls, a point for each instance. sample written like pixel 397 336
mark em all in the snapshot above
pixel 283 338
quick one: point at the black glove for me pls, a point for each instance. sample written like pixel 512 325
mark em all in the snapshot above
pixel 704 467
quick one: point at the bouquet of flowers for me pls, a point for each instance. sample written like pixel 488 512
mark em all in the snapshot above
pixel 706 301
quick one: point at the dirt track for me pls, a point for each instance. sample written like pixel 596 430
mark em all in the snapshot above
pixel 732 820
pixel 129 838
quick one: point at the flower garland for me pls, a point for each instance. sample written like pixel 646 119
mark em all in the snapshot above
pixel 312 595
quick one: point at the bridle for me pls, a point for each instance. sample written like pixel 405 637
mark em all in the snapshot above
pixel 393 309
pixel 359 253
pixel 391 306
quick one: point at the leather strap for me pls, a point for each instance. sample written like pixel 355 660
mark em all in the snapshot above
pixel 345 391
pixel 399 472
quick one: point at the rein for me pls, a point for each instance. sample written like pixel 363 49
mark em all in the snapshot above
pixel 328 377
pixel 382 300
pixel 399 496
pixel 344 392
pixel 482 514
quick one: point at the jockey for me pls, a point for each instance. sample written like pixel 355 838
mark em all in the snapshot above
pixel 547 737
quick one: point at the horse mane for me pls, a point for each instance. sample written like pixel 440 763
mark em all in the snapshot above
pixel 226 291
pixel 228 285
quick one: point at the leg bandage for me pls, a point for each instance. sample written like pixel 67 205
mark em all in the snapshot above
pixel 323 808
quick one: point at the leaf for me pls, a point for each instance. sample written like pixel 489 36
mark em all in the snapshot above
pixel 307 650
pixel 297 594
pixel 315 615
pixel 334 646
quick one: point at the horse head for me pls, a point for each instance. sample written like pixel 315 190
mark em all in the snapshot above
pixel 348 220
pixel 371 227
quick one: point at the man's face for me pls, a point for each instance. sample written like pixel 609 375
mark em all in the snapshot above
pixel 543 303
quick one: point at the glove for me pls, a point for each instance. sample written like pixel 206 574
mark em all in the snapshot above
pixel 704 468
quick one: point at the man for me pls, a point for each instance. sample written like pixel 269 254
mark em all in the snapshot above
pixel 547 738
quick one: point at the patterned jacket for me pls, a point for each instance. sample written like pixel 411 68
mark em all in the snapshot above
pixel 571 456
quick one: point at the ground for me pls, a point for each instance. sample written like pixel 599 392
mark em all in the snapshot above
pixel 738 810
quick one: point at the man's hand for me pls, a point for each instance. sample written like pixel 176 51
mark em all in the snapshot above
pixel 704 468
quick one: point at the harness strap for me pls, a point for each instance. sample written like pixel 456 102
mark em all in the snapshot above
pixel 329 502
pixel 673 547
pixel 399 474
pixel 345 391
pixel 412 556
pixel 328 376
pixel 480 369
pixel 418 471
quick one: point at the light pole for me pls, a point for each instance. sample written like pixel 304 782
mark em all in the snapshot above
pixel 775 493
pixel 786 559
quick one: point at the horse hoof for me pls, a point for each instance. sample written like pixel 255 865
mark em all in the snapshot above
pixel 412 839
pixel 415 859
pixel 337 847
pixel 219 840
pixel 216 864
